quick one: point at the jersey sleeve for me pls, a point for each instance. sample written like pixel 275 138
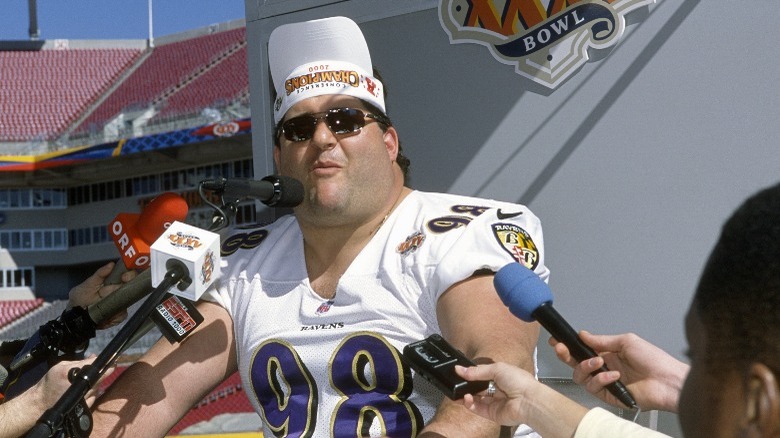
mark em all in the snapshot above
pixel 507 234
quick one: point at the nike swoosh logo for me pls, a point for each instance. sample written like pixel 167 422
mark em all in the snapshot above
pixel 501 215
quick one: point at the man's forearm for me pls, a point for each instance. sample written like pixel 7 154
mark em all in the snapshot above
pixel 454 420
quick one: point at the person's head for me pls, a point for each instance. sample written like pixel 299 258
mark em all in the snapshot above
pixel 330 115
pixel 733 329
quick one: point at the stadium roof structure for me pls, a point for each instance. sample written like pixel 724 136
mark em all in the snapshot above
pixel 73 111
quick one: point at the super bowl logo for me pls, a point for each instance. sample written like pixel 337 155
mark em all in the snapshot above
pixel 184 240
pixel 207 270
pixel 411 243
pixel 546 40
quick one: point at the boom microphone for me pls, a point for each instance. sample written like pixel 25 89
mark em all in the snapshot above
pixel 529 298
pixel 273 190
pixel 134 233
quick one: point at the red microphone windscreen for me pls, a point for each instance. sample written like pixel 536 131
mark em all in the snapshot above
pixel 134 233
pixel 159 214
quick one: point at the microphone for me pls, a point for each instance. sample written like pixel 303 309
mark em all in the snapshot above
pixel 273 190
pixel 197 250
pixel 122 298
pixel 133 233
pixel 529 298
pixel 77 325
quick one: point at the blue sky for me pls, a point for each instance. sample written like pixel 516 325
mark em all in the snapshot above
pixel 113 19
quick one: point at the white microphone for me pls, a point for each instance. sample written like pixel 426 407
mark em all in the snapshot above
pixel 196 248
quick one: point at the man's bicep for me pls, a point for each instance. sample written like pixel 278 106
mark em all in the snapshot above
pixel 473 318
pixel 156 391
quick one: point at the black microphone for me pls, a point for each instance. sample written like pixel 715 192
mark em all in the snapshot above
pixel 273 190
pixel 529 298
pixel 122 298
pixel 77 325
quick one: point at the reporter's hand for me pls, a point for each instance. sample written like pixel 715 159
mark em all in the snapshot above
pixel 55 382
pixel 93 290
pixel 521 399
pixel 653 377
pixel 504 406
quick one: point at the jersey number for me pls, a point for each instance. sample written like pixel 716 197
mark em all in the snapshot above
pixel 365 370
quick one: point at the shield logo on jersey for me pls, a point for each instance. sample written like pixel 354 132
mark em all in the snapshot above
pixel 324 307
pixel 546 40
pixel 518 243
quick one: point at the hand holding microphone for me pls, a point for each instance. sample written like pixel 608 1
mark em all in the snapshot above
pixel 529 298
pixel 133 233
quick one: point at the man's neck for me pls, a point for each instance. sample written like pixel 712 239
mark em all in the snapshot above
pixel 329 251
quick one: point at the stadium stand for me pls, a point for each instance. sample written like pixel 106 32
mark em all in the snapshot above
pixel 22 312
pixel 42 92
pixel 166 69
pixel 224 82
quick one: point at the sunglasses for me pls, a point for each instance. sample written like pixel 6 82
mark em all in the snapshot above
pixel 340 121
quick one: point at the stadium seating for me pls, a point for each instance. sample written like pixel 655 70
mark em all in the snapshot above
pixel 226 81
pixel 14 310
pixel 42 92
pixel 165 69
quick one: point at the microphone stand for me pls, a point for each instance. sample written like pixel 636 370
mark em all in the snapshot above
pixel 71 408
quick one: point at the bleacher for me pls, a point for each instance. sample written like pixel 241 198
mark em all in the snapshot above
pixel 20 313
pixel 165 71
pixel 42 92
pixel 224 82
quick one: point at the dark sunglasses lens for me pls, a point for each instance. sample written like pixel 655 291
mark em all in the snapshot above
pixel 339 121
pixel 345 120
pixel 299 128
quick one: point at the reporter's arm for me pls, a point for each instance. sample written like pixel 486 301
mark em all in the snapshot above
pixel 155 392
pixel 520 398
pixel 654 377
pixel 474 320
pixel 20 414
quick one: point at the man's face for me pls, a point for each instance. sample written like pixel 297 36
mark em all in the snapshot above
pixel 711 403
pixel 345 176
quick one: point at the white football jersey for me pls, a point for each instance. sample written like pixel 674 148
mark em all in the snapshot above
pixel 317 367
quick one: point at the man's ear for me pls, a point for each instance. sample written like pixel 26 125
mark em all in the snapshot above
pixel 762 401
pixel 390 137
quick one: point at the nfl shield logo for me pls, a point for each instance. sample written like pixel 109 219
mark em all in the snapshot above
pixel 324 307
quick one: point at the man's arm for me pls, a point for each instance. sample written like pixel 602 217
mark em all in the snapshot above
pixel 474 320
pixel 155 392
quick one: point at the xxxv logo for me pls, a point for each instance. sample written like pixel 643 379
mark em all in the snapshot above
pixel 546 40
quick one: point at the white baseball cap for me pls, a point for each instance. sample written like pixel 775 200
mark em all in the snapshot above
pixel 318 57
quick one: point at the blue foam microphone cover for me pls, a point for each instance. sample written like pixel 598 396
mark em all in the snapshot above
pixel 521 290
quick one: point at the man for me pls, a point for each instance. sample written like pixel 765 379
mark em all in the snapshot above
pixel 732 388
pixel 323 301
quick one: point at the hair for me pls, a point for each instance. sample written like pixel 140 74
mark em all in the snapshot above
pixel 738 297
pixel 403 161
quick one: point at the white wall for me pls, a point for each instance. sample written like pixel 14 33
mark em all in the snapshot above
pixel 632 165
